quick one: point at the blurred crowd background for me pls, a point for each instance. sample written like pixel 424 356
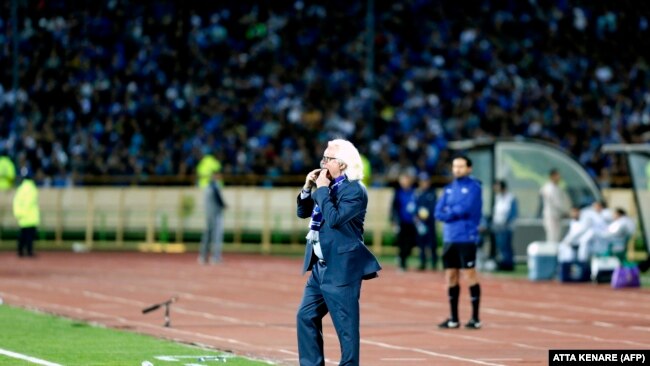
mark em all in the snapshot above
pixel 125 88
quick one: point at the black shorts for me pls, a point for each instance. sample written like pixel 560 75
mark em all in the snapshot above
pixel 459 255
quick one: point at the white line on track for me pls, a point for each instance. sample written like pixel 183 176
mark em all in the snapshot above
pixel 604 324
pixel 31 359
pixel 429 353
pixel 643 329
pixel 587 337
pixel 404 359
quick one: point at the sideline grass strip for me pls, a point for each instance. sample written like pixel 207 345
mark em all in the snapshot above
pixel 42 337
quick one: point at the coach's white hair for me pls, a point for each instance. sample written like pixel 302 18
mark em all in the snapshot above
pixel 348 154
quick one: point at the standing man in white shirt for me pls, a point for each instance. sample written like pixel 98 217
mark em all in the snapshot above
pixel 555 206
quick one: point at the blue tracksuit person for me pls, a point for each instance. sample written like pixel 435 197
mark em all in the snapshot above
pixel 460 209
pixel 402 216
pixel 427 239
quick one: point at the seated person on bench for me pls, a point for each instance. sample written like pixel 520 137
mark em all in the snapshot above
pixel 577 228
pixel 587 231
pixel 597 219
pixel 618 233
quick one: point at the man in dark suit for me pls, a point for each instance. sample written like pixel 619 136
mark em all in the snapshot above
pixel 336 201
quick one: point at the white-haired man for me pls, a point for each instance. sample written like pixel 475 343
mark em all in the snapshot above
pixel 336 255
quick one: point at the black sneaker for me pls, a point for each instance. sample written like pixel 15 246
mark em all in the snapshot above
pixel 448 324
pixel 473 324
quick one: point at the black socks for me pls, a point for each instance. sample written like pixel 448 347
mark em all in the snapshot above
pixel 475 294
pixel 454 293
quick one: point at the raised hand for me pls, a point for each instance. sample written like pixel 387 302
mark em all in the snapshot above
pixel 310 180
pixel 323 180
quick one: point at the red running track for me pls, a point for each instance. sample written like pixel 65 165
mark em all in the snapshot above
pixel 247 305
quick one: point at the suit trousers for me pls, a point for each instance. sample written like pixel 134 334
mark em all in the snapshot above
pixel 342 302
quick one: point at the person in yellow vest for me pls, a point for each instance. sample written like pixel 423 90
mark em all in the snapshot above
pixel 7 176
pixel 27 213
pixel 212 238
pixel 206 167
pixel 7 173
pixel 367 170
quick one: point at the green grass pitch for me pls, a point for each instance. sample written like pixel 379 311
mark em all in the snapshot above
pixel 31 338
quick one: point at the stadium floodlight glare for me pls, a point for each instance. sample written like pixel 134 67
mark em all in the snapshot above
pixel 167 304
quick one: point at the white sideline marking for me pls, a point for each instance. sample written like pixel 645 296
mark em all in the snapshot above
pixel 177 358
pixel 429 353
pixel 404 359
pixel 27 358
pixel 603 324
pixel 502 359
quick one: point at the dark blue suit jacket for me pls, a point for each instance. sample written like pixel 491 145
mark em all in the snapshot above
pixel 341 233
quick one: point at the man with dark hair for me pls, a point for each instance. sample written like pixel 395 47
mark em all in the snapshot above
pixel 459 208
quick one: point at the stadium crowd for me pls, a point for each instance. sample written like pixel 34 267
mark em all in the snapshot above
pixel 124 87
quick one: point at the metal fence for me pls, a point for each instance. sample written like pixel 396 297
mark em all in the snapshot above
pixel 265 218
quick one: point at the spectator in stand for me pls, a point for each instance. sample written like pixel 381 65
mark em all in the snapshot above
pixel 136 83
